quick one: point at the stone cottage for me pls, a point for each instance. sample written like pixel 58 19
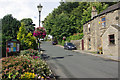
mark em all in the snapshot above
pixel 95 28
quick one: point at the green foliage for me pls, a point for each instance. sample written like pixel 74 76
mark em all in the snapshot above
pixel 10 26
pixel 58 22
pixel 29 26
pixel 76 36
pixel 68 39
pixel 27 39
pixel 63 42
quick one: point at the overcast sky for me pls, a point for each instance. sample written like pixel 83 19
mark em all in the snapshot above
pixel 27 9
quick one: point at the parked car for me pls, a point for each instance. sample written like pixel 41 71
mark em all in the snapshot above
pixel 54 42
pixel 69 46
pixel 41 39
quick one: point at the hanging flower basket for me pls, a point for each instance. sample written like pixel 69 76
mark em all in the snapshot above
pixel 39 32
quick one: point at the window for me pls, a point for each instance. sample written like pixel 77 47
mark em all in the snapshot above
pixel 111 39
pixel 89 27
pixel 103 21
pixel 89 44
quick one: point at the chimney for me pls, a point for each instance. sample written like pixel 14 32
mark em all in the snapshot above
pixel 94 12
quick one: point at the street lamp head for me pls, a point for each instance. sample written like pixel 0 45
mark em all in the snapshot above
pixel 39 7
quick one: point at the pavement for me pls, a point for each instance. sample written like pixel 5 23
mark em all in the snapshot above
pixel 115 58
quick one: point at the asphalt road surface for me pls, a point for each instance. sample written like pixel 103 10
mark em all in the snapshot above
pixel 69 64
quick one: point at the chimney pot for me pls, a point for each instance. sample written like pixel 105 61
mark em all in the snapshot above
pixel 94 12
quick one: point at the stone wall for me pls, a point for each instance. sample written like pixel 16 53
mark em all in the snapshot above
pixel 76 43
pixel 119 35
pixel 119 43
pixel 80 44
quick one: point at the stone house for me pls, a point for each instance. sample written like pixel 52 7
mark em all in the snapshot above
pixel 94 29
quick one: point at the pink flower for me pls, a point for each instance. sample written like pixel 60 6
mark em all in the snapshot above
pixel 39 32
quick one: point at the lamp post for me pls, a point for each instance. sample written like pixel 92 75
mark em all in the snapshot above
pixel 39 9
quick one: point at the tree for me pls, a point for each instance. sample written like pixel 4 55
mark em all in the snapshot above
pixel 29 26
pixel 10 26
pixel 27 39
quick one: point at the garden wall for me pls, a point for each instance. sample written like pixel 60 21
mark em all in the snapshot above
pixel 77 43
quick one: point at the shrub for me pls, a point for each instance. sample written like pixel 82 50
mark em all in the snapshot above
pixel 27 39
pixel 16 67
pixel 76 36
pixel 29 52
pixel 63 42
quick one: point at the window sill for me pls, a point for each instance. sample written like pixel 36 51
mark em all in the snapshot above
pixel 111 45
pixel 88 33
pixel 102 28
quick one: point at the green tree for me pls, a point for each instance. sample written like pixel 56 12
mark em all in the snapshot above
pixel 27 39
pixel 10 26
pixel 29 26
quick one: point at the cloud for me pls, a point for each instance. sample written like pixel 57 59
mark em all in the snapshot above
pixel 27 8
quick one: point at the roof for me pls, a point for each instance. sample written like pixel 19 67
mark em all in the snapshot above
pixel 117 27
pixel 109 9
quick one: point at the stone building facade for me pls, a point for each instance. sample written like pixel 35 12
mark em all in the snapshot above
pixel 95 28
pixel 111 40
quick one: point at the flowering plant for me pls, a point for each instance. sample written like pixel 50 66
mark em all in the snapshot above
pixel 27 75
pixel 39 32
pixel 24 67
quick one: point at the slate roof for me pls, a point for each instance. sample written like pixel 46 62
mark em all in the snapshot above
pixel 117 27
pixel 109 9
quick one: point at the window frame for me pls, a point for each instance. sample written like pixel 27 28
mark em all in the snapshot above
pixel 103 21
pixel 89 27
pixel 111 40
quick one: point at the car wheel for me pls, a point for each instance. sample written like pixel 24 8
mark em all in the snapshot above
pixel 67 48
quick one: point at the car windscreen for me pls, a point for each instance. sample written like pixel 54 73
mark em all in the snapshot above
pixel 70 44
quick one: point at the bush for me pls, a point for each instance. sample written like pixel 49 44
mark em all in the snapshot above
pixel 26 39
pixel 17 67
pixel 30 52
pixel 63 42
pixel 76 36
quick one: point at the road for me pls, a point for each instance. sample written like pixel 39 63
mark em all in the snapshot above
pixel 69 64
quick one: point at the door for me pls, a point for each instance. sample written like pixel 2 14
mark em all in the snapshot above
pixel 82 44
